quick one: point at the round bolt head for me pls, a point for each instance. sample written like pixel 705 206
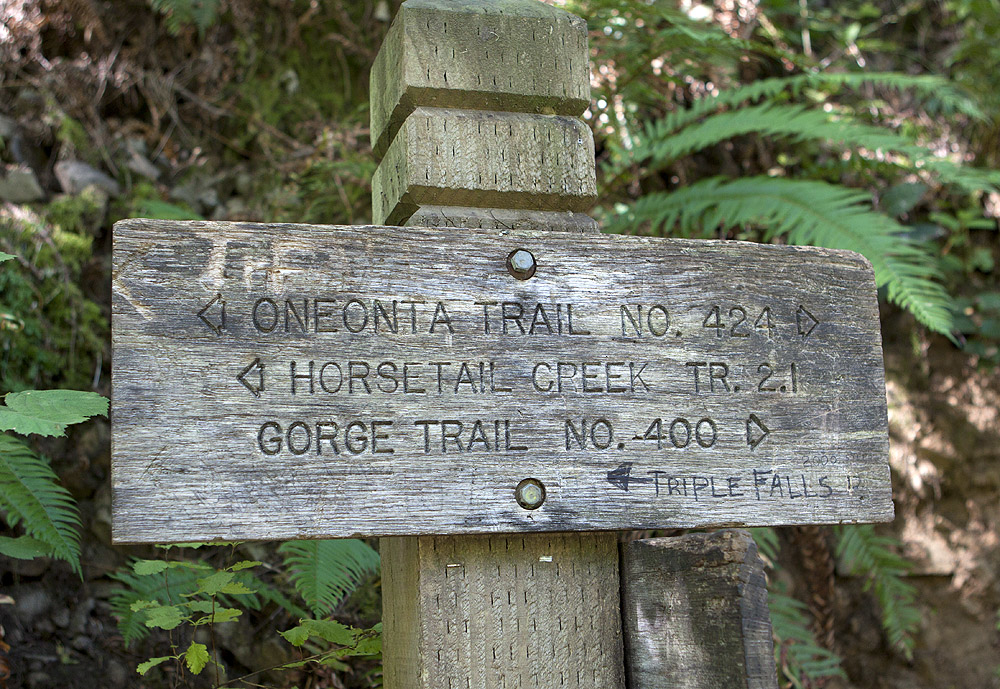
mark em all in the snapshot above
pixel 530 493
pixel 521 264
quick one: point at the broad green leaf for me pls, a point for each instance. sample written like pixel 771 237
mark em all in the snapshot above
pixel 151 663
pixel 142 605
pixel 145 567
pixel 196 656
pixel 245 564
pixel 214 583
pixel 48 412
pixel 296 636
pixel 332 660
pixel 226 614
pixel 199 606
pixel 368 646
pixel 220 615
pixel 164 617
pixel 5 257
pixel 236 588
pixel 332 631
pixel 23 548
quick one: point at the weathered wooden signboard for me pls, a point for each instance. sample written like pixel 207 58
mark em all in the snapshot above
pixel 291 381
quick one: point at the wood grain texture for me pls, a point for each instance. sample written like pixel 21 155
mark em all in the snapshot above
pixel 531 610
pixel 696 616
pixel 512 55
pixel 485 160
pixel 201 448
pixel 502 218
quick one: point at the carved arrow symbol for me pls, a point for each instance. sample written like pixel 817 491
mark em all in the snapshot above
pixel 249 371
pixel 204 314
pixel 805 321
pixel 622 476
pixel 756 431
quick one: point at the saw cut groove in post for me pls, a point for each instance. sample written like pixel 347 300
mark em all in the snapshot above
pixel 505 55
pixel 696 615
pixel 501 611
pixel 501 218
pixel 485 159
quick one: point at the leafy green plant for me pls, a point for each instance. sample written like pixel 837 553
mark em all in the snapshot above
pixel 30 494
pixel 326 572
pixel 799 658
pixel 873 557
pixel 182 13
pixel 51 334
pixel 185 594
pixel 198 607
pixel 865 554
pixel 802 211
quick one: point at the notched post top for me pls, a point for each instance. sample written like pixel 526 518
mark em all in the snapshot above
pixel 511 55
pixel 475 114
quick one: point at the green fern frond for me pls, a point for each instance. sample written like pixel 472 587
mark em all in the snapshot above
pixel 326 572
pixel 866 554
pixel 796 652
pixel 797 122
pixel 805 212
pixel 929 86
pixel 30 495
pixel 766 539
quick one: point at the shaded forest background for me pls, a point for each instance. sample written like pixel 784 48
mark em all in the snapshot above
pixel 873 126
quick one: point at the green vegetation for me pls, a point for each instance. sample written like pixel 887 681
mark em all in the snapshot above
pixel 863 126
pixel 186 593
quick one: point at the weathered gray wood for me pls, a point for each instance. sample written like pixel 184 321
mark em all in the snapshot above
pixel 696 615
pixel 751 444
pixel 529 610
pixel 506 55
pixel 486 160
pixel 472 163
pixel 501 218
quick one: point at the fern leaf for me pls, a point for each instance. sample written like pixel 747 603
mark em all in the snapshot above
pixel 326 572
pixel 929 86
pixel 798 655
pixel 872 556
pixel 806 212
pixel 799 123
pixel 30 495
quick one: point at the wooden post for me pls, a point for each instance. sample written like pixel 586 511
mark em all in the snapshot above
pixel 696 616
pixel 475 107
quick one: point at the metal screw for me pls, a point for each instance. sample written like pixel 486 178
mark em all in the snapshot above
pixel 530 493
pixel 521 264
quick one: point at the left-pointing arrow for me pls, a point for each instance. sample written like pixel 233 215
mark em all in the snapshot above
pixel 622 476
pixel 213 314
pixel 255 373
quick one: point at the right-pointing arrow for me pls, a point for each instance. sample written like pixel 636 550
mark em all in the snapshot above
pixel 805 322
pixel 756 431
pixel 256 373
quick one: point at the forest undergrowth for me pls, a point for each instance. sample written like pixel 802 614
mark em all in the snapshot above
pixel 871 127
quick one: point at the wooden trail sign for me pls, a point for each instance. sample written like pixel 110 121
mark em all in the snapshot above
pixel 290 381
